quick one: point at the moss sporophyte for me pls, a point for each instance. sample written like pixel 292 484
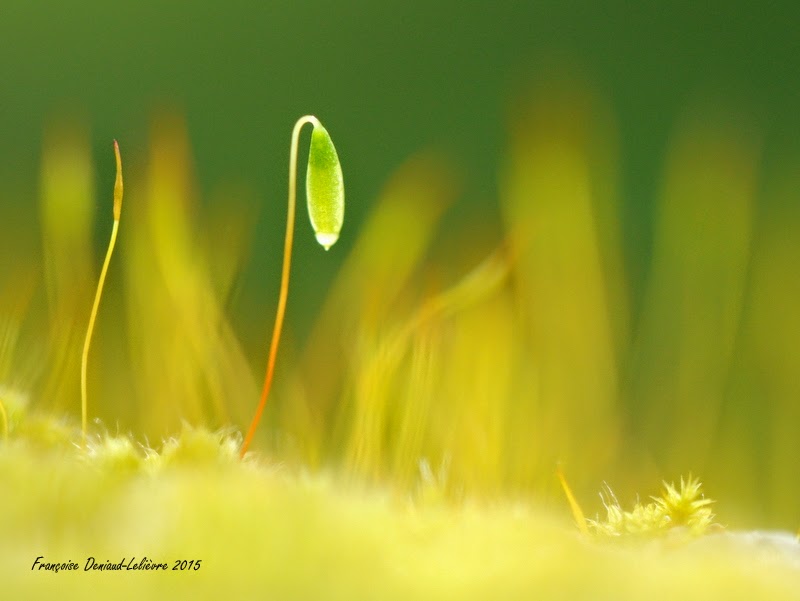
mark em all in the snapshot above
pixel 325 201
pixel 88 340
pixel 325 197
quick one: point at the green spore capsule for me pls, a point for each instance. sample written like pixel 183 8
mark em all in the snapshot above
pixel 324 188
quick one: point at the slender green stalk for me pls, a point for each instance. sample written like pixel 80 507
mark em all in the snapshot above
pixel 284 291
pixel 577 512
pixel 88 340
pixel 325 192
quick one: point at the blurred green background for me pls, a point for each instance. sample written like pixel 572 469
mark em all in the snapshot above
pixel 389 79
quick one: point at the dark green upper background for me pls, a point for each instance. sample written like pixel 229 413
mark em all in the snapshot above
pixel 386 78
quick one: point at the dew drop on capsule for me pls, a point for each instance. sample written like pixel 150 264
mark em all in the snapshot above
pixel 324 188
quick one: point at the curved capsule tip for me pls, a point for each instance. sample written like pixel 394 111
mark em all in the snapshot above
pixel 326 239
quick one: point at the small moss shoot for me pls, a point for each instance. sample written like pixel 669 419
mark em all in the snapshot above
pixel 93 316
pixel 683 510
pixel 325 196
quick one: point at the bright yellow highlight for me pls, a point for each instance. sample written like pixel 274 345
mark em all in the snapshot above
pixel 4 416
pixel 193 499
pixel 99 293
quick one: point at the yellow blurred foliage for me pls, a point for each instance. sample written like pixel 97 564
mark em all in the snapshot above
pixel 477 384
